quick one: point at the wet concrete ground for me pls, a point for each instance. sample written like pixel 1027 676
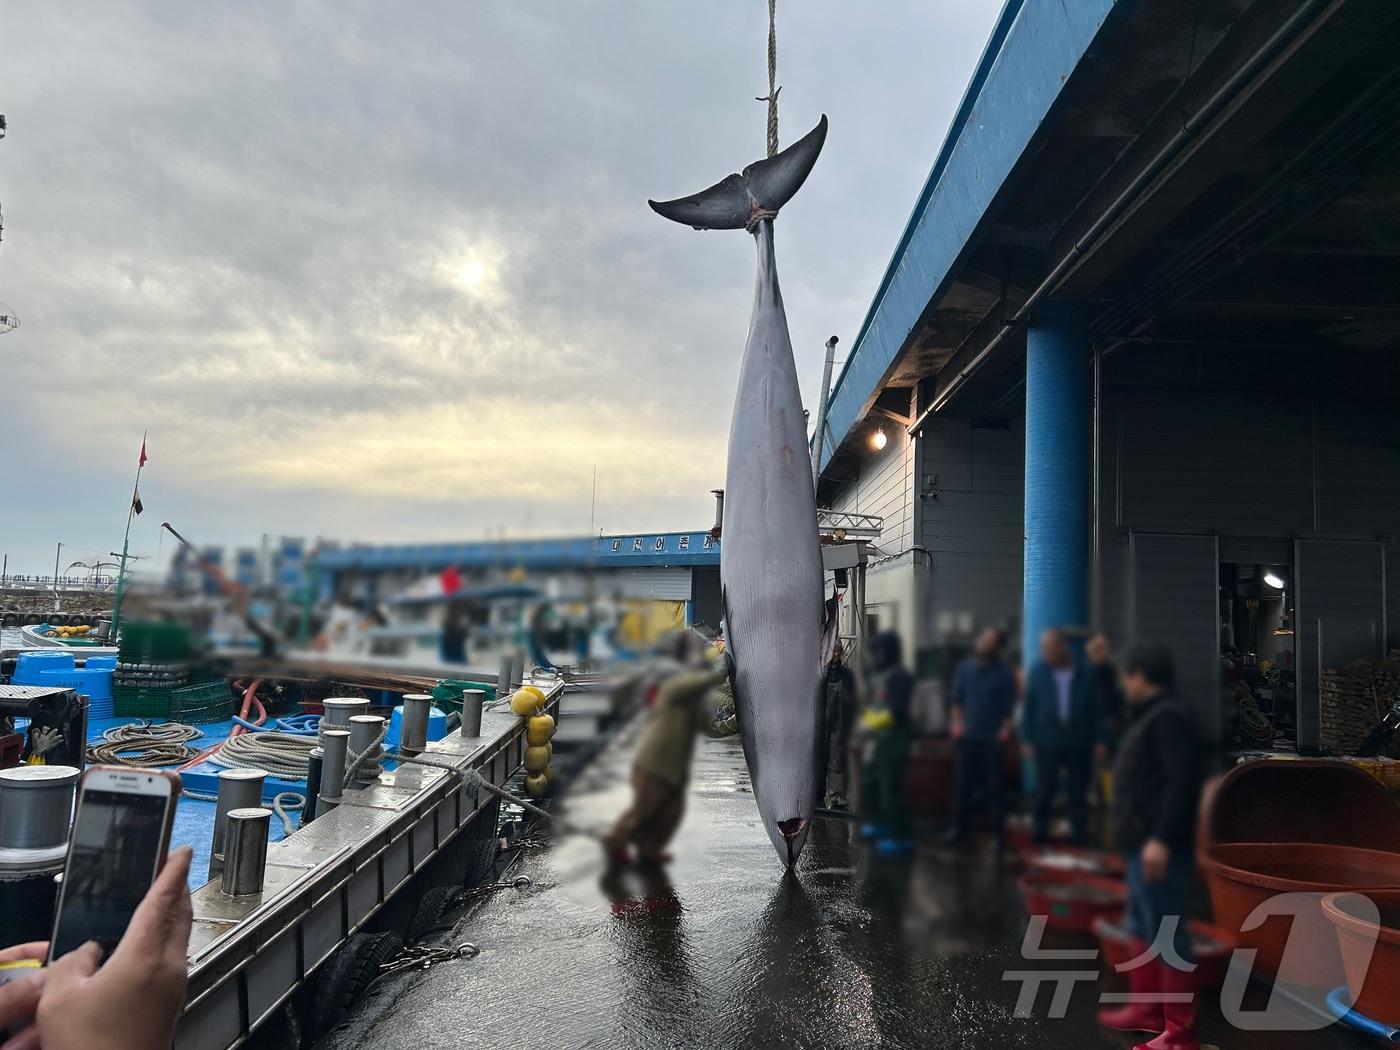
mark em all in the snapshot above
pixel 723 951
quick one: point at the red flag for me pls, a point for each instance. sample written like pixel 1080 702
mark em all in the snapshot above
pixel 143 455
pixel 451 580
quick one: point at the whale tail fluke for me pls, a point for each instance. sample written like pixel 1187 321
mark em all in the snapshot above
pixel 762 188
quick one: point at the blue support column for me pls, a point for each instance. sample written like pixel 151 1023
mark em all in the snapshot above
pixel 1058 471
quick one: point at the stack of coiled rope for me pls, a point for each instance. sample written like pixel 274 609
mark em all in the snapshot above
pixel 284 755
pixel 145 745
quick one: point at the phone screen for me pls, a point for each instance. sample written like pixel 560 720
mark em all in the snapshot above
pixel 111 865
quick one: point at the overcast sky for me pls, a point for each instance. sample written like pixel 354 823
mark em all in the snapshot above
pixel 386 272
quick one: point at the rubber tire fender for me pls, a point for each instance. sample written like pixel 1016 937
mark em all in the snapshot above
pixel 435 903
pixel 343 980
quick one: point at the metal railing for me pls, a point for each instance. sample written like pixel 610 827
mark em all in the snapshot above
pixel 21 582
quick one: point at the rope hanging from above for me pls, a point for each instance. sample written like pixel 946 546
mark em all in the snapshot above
pixel 772 97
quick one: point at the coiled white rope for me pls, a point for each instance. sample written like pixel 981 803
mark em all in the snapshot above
pixel 285 755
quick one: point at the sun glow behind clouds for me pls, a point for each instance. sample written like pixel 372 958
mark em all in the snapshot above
pixel 474 270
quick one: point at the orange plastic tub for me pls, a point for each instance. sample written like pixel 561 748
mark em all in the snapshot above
pixel 1373 975
pixel 1310 826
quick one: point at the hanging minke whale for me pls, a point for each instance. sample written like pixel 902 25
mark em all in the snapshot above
pixel 770 556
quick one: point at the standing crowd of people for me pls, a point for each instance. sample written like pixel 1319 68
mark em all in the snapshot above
pixel 1071 711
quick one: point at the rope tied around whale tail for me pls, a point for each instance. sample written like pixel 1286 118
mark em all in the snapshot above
pixel 772 97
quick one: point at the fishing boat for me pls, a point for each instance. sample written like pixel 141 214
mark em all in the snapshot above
pixel 47 636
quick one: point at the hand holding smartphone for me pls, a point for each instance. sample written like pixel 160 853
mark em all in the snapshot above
pixel 121 835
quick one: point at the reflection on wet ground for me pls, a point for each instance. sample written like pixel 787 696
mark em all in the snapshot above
pixel 723 950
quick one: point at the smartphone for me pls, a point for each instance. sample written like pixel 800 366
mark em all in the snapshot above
pixel 121 835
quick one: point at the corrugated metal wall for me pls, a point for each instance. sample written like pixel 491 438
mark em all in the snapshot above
pixel 1341 615
pixel 659 584
pixel 885 487
pixel 1176 579
pixel 1258 470
pixel 1261 471
pixel 972 524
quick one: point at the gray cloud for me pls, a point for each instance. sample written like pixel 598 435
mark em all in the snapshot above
pixel 385 271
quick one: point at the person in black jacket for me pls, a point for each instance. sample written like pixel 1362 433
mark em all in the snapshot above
pixel 1157 780
pixel 840 716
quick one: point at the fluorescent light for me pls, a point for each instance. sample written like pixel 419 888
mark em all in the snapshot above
pixel 1274 580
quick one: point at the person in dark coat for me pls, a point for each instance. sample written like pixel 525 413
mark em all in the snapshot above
pixel 453 644
pixel 984 693
pixel 1063 730
pixel 1098 652
pixel 840 716
pixel 1157 783
pixel 889 733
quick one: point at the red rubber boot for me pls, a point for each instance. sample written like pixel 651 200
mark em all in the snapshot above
pixel 1181 1032
pixel 1144 1013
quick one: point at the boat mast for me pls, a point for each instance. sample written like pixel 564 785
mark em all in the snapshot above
pixel 126 541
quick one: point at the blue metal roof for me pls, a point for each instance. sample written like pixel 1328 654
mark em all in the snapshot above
pixel 1033 49
pixel 633 550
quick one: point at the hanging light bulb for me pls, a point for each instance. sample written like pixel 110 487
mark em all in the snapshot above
pixel 878 441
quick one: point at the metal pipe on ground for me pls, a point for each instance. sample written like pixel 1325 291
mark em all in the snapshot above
pixel 338 710
pixel 413 725
pixel 238 789
pixel 314 761
pixel 473 700
pixel 246 851
pixel 335 745
pixel 364 731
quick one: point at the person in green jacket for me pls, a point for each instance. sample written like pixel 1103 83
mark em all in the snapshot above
pixel 661 767
pixel 888 730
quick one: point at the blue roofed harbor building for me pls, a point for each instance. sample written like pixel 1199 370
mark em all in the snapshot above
pixel 673 567
pixel 1134 356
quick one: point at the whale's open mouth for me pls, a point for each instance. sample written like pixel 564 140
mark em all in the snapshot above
pixel 792 830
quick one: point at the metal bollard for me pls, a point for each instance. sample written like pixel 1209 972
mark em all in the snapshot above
pixel 338 710
pixel 503 675
pixel 413 724
pixel 517 674
pixel 473 700
pixel 238 789
pixel 332 768
pixel 314 760
pixel 364 730
pixel 247 851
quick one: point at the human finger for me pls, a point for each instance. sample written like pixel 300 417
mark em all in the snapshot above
pixel 78 965
pixel 25 1040
pixel 20 952
pixel 19 999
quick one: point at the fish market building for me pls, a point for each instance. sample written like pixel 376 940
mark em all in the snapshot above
pixel 679 570
pixel 1134 356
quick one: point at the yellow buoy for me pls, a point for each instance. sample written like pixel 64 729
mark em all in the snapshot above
pixel 538 730
pixel 524 703
pixel 536 785
pixel 548 774
pixel 537 691
pixel 536 759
